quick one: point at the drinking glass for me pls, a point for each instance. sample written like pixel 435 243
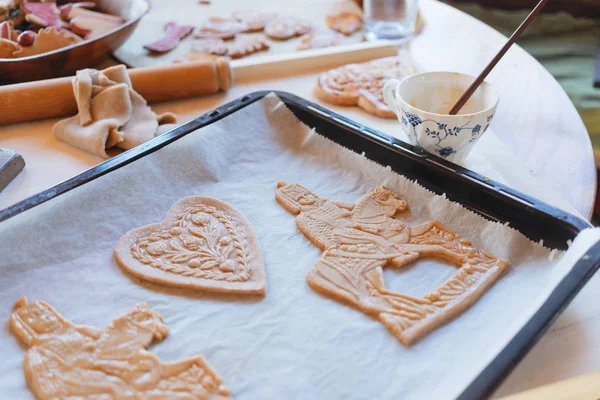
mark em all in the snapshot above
pixel 393 20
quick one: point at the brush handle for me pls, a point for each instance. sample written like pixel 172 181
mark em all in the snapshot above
pixel 53 98
pixel 471 89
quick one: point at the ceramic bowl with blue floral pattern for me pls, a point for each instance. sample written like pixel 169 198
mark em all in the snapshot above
pixel 422 102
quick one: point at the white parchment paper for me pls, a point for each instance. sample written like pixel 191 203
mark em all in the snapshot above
pixel 294 343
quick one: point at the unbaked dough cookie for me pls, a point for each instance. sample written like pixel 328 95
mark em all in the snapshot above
pixel 110 113
pixel 283 28
pixel 222 28
pixel 345 22
pixel 214 46
pixel 246 44
pixel 68 361
pixel 359 240
pixel 361 84
pixel 255 20
pixel 319 40
pixel 202 244
pixel 174 33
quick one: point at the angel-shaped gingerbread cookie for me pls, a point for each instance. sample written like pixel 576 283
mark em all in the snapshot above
pixel 358 241
pixel 68 361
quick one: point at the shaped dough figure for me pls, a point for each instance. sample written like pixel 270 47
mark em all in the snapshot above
pixel 358 241
pixel 68 361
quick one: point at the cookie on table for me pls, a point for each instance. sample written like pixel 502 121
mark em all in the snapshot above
pixel 361 84
pixel 255 20
pixel 283 28
pixel 221 28
pixel 319 40
pixel 214 46
pixel 174 33
pixel 246 44
pixel 203 50
pixel 203 244
pixel 345 22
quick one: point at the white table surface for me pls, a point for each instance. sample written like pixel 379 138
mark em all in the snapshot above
pixel 572 345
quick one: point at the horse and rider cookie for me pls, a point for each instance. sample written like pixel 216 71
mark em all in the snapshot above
pixel 358 241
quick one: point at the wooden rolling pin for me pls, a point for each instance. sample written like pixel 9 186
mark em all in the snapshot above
pixel 53 98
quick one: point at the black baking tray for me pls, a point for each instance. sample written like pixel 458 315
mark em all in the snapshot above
pixel 533 218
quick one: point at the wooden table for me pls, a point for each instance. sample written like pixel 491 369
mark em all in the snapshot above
pixel 535 119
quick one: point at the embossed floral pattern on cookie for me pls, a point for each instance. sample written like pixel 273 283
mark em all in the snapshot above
pixel 203 244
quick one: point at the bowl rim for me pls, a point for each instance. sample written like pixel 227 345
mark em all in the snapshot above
pixel 421 74
pixel 85 42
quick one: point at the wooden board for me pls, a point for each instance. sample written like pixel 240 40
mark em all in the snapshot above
pixel 193 12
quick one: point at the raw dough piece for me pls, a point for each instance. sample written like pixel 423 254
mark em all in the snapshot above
pixel 283 28
pixel 46 40
pixel 202 244
pixel 255 20
pixel 345 22
pixel 110 114
pixel 222 28
pixel 173 35
pixel 214 46
pixel 318 40
pixel 246 44
pixel 71 361
pixel 361 84
pixel 358 241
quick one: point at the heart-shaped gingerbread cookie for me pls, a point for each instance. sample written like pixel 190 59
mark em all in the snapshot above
pixel 202 244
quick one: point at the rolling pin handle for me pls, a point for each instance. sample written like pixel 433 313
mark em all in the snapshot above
pixel 224 73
